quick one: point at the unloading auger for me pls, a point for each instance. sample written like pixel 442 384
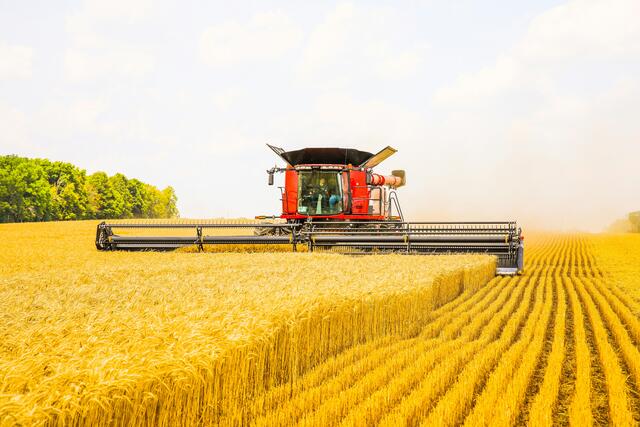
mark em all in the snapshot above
pixel 331 201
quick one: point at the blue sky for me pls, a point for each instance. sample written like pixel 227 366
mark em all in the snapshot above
pixel 499 110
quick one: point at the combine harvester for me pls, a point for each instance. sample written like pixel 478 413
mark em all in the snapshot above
pixel 332 200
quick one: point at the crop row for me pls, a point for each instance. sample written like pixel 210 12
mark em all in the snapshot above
pixel 499 356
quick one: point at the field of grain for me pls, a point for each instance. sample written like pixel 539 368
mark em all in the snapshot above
pixel 558 345
pixel 186 338
pixel 619 256
pixel 317 339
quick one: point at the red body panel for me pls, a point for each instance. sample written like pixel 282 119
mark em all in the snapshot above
pixel 359 192
pixel 290 195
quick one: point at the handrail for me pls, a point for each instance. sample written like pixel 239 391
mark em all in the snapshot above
pixel 393 198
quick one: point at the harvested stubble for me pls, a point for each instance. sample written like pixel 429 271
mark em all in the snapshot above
pixel 481 359
pixel 95 338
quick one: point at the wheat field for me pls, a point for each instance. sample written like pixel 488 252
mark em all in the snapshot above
pixel 185 338
pixel 274 339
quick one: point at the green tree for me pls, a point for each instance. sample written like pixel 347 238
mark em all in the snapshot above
pixel 137 192
pixel 170 200
pixel 68 196
pixel 24 191
pixel 97 192
pixel 41 190
pixel 121 197
pixel 159 204
pixel 106 202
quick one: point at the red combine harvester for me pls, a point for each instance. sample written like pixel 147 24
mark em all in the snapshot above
pixel 321 184
pixel 332 200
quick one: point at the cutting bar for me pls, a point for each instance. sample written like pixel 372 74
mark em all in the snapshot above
pixel 501 239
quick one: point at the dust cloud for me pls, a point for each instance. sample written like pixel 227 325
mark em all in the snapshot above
pixel 581 182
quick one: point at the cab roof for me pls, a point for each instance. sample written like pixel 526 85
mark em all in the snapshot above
pixel 332 156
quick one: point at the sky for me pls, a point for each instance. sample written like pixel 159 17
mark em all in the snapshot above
pixel 499 110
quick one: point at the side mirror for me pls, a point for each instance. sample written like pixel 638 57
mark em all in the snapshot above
pixel 270 177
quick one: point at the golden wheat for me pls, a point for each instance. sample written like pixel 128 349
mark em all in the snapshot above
pixel 580 404
pixel 483 329
pixel 91 337
pixel 506 387
pixel 615 379
pixel 619 257
pixel 316 339
pixel 542 408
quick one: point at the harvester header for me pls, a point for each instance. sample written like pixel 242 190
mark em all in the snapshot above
pixel 332 200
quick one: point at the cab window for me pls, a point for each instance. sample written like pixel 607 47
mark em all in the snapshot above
pixel 319 193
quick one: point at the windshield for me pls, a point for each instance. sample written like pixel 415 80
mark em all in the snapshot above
pixel 319 193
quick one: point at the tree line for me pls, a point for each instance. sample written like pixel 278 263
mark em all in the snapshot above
pixel 42 190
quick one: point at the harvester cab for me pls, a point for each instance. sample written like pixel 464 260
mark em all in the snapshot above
pixel 331 201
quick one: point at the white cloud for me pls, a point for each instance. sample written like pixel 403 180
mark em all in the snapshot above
pixel 15 61
pixel 127 10
pixel 116 61
pixel 65 119
pixel 578 32
pixel 227 98
pixel 337 119
pixel 266 36
pixel 592 29
pixel 353 41
pixel 330 37
pixel 14 130
pixel 95 51
pixel 405 63
pixel 489 81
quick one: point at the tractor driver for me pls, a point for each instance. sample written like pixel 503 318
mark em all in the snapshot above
pixel 322 186
pixel 321 196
